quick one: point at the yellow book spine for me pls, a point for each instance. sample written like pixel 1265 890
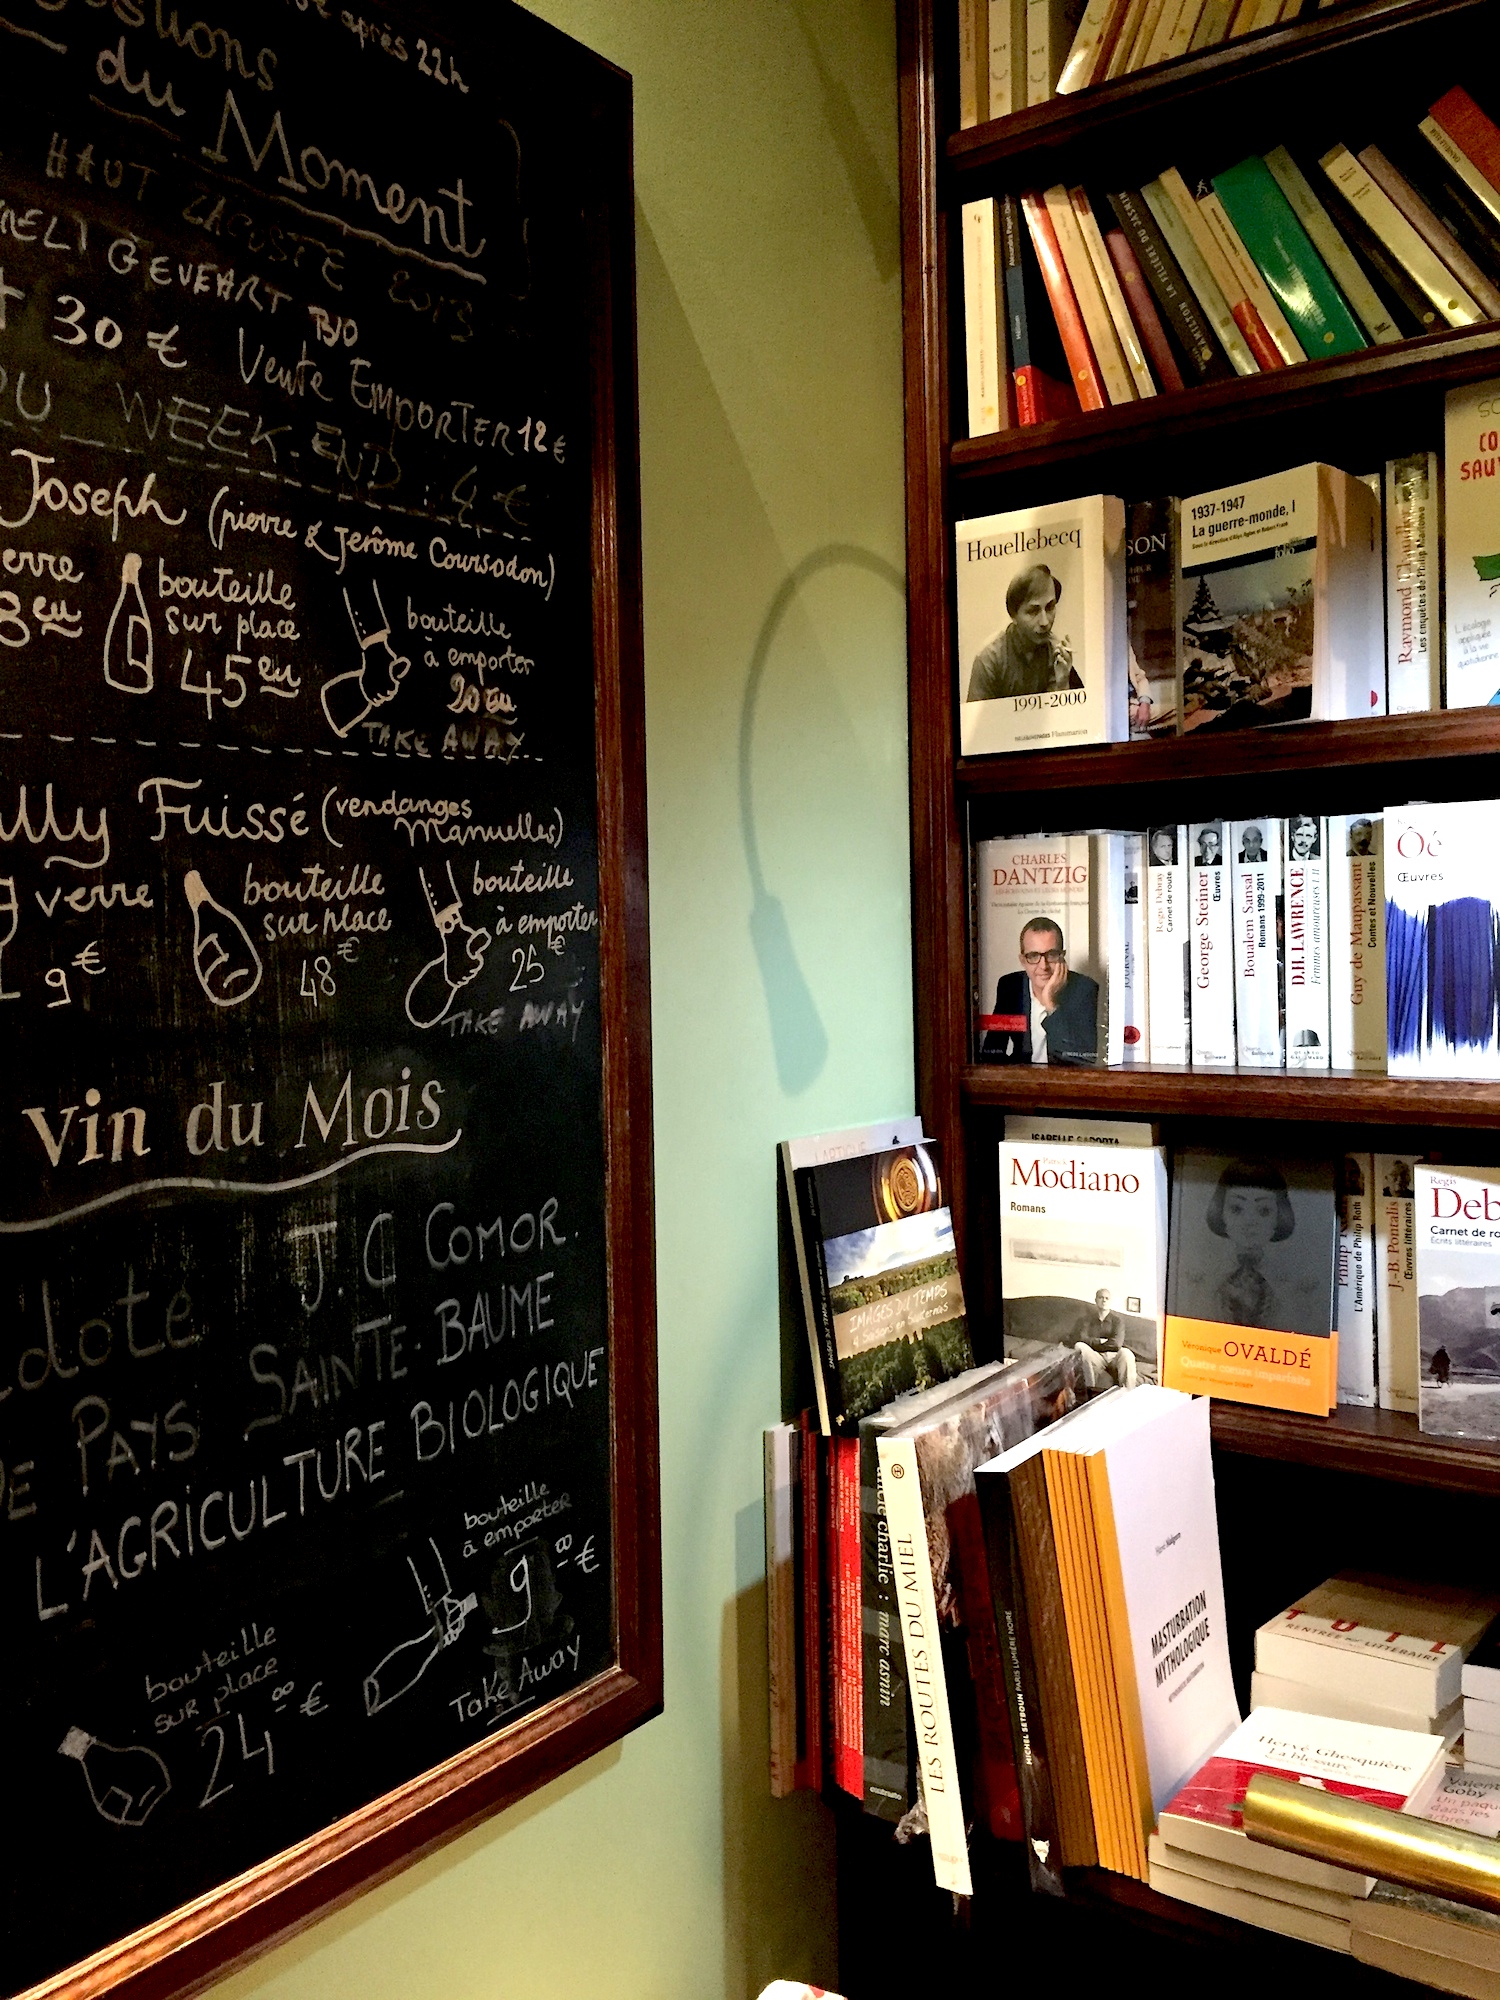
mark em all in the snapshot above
pixel 1087 1672
pixel 1106 1534
pixel 1113 1721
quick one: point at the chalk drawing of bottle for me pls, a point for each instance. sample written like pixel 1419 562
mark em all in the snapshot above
pixel 226 962
pixel 128 649
pixel 127 1785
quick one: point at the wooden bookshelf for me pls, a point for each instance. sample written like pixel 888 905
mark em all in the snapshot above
pixel 1345 74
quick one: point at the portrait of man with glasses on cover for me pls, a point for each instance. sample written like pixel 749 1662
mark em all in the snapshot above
pixel 1045 1012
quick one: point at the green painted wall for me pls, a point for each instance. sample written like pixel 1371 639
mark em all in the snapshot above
pixel 771 469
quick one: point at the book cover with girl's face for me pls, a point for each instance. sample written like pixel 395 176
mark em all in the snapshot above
pixel 1250 1287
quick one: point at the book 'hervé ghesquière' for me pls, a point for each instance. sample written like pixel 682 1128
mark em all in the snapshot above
pixel 1042 654
pixel 1250 1312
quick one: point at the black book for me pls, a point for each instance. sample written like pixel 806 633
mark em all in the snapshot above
pixel 1196 343
pixel 1039 368
pixel 1408 304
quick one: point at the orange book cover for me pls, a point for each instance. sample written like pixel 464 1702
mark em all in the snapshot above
pixel 1250 1281
pixel 1075 340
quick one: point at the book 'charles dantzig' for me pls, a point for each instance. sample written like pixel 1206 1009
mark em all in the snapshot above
pixel 1042 657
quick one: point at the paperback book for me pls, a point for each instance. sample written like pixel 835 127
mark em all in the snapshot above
pixel 1083 1254
pixel 1168 934
pixel 1458 1300
pixel 1306 900
pixel 888 1304
pixel 1250 1313
pixel 1281 594
pixel 1042 654
pixel 1152 628
pixel 1397 1365
pixel 1354 1297
pixel 1259 999
pixel 1442 911
pixel 1471 528
pixel 1356 943
pixel 1414 584
pixel 1211 946
pixel 1043 914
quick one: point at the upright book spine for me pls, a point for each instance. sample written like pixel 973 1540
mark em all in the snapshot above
pixel 1137 296
pixel 1354 1298
pixel 1135 1032
pixel 1258 1004
pixel 884 1711
pixel 937 1762
pixel 1399 1361
pixel 1458 160
pixel 1215 307
pixel 1305 838
pixel 1081 365
pixel 1371 310
pixel 1103 339
pixel 1375 208
pixel 1168 933
pixel 1413 584
pixel 1212 947
pixel 849 1757
pixel 1181 314
pixel 984 321
pixel 1438 238
pixel 1356 944
pixel 781 1442
pixel 1478 137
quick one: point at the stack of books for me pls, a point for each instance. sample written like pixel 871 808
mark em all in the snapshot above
pixel 1429 1939
pixel 1481 1705
pixel 1200 1853
pixel 1080 299
pixel 1373 1650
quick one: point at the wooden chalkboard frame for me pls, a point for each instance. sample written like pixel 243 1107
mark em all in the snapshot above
pixel 184 1950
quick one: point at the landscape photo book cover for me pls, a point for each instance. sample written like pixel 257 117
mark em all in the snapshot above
pixel 895 1300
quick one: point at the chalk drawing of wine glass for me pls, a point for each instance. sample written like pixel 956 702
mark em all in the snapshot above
pixel 405 1664
pixel 10 923
pixel 349 698
pixel 126 1786
pixel 226 962
pixel 461 959
pixel 128 647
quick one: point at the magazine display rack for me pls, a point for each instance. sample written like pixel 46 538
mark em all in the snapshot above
pixel 1347 75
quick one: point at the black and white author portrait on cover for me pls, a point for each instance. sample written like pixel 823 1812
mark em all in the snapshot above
pixel 1253 1242
pixel 1030 651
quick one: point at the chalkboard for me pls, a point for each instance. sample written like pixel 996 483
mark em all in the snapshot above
pixel 327 1463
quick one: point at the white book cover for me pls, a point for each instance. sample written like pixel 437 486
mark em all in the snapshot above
pixel 1458 1300
pixel 984 320
pixel 1305 840
pixel 1050 28
pixel 1161 1492
pixel 932 1720
pixel 1007 57
pixel 1210 946
pixel 1442 889
pixel 1108 863
pixel 1378 1639
pixel 1135 1011
pixel 1413 584
pixel 1037 1128
pixel 1397 1769
pixel 1041 934
pixel 1396 1280
pixel 1275 1691
pixel 1356 943
pixel 1167 940
pixel 1354 1289
pixel 1042 655
pixel 1083 1255
pixel 1281 595
pixel 973 62
pixel 1258 1006
pixel 1471 533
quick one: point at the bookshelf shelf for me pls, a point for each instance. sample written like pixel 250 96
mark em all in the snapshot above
pixel 1286 1095
pixel 1287 749
pixel 1434 362
pixel 1383 1444
pixel 1257 62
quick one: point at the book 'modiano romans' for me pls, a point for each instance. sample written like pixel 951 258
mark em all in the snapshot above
pixel 1042 657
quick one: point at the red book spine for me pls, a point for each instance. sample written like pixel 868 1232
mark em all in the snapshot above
pixel 1259 341
pixel 1143 309
pixel 1469 129
pixel 810 1761
pixel 997 1760
pixel 849 1752
pixel 1069 319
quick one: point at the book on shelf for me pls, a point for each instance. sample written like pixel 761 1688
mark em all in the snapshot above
pixel 1126 331
pixel 782 1465
pixel 1168 943
pixel 1354 1285
pixel 1305 844
pixel 1185 234
pixel 1432 277
pixel 1125 947
pixel 1451 1946
pixel 889 1759
pixel 1413 583
pixel 973 63
pixel 1098 26
pixel 1041 627
pixel 1432 230
pixel 1051 26
pixel 1131 1499
pixel 1259 999
pixel 927 1470
pixel 1210 890
pixel 1450 197
pixel 1083 1255
pixel 1314 1916
pixel 1042 1129
pixel 813 1736
pixel 1441 911
pixel 1356 942
pixel 1471 534
pixel 1382 1640
pixel 1458 1300
pixel 1007 57
pixel 1152 629
pixel 1083 276
pixel 1281 594
pixel 1250 1273
pixel 1187 326
pixel 1409 306
pixel 1141 306
pixel 1344 267
pixel 1249 278
pixel 1396 1345
pixel 1039 368
pixel 1300 281
pixel 1274 1691
pixel 985 324
pixel 1043 918
pixel 887 1308
pixel 1474 136
pixel 842 1532
pixel 1083 369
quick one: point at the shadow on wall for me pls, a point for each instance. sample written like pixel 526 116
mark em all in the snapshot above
pixel 799 1041
pixel 768 1842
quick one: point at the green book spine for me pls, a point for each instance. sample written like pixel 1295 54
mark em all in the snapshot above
pixel 1296 274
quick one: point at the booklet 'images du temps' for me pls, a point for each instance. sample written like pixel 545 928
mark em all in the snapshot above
pixel 1041 627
